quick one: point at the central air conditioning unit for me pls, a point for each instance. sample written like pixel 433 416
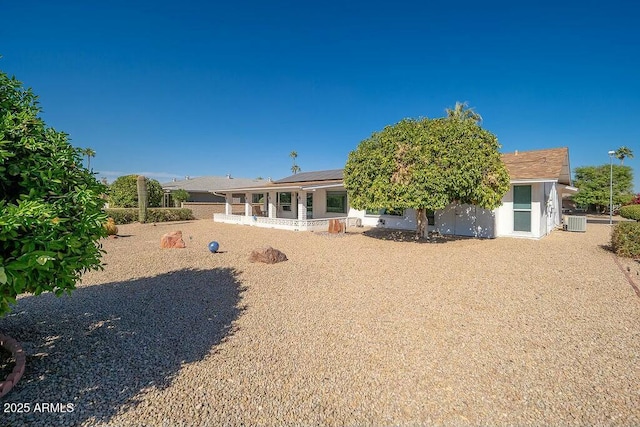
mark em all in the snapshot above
pixel 575 223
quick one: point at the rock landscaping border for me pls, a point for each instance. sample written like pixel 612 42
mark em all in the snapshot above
pixel 12 379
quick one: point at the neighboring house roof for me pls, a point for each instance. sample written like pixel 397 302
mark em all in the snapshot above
pixel 328 175
pixel 539 164
pixel 210 183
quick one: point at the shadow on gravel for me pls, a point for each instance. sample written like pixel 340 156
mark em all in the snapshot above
pixel 104 344
pixel 410 236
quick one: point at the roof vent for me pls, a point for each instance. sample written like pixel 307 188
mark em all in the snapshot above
pixel 187 177
pixel 516 152
pixel 228 176
pixel 269 179
pixel 174 179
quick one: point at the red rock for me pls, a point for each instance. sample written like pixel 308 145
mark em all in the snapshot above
pixel 172 240
pixel 335 226
pixel 268 255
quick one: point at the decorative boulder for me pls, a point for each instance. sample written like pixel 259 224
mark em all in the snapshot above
pixel 172 240
pixel 268 255
pixel 336 226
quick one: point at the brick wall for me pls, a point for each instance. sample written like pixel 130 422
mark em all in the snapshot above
pixel 205 210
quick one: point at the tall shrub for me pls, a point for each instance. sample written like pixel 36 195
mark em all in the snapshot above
pixel 123 192
pixel 630 212
pixel 51 215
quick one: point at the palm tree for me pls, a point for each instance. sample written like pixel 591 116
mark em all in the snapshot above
pixel 295 168
pixel 89 152
pixel 462 112
pixel 622 153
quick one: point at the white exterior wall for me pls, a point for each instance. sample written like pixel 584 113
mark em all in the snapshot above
pixel 405 222
pixel 320 204
pixel 538 207
pixel 466 220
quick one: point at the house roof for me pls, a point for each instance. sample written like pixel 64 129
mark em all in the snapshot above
pixel 539 164
pixel 209 183
pixel 327 175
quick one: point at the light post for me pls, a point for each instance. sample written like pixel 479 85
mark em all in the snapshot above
pixel 611 154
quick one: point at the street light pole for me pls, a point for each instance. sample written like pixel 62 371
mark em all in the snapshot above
pixel 611 154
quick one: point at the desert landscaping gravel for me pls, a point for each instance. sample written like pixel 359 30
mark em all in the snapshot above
pixel 360 329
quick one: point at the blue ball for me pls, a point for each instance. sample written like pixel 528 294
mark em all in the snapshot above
pixel 214 246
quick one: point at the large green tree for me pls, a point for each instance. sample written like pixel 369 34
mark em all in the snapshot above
pixel 427 164
pixel 593 186
pixel 123 192
pixel 51 216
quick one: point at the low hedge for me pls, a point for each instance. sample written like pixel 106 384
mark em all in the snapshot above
pixel 630 212
pixel 625 239
pixel 129 215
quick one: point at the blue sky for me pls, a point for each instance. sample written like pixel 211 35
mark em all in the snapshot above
pixel 170 89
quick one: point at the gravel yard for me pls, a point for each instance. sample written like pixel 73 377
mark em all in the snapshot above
pixel 351 330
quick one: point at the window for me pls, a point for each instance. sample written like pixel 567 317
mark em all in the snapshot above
pixel 284 199
pixel 337 201
pixel 257 198
pixel 431 217
pixel 522 208
pixel 384 211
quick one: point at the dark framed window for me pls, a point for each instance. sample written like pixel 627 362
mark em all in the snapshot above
pixel 431 217
pixel 384 211
pixel 337 201
pixel 522 208
pixel 284 200
pixel 257 198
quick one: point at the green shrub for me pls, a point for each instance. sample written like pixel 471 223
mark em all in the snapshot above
pixel 625 239
pixel 123 215
pixel 179 196
pixel 169 214
pixel 51 217
pixel 123 192
pixel 630 212
pixel 129 215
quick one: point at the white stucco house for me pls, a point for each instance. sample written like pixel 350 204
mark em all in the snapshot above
pixel 531 208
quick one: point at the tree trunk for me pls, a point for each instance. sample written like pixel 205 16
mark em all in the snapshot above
pixel 421 223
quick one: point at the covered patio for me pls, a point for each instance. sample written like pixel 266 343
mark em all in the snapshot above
pixel 301 202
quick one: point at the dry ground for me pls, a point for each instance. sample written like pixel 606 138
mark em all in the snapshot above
pixel 351 330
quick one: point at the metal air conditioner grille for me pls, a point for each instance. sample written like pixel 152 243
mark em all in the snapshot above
pixel 576 223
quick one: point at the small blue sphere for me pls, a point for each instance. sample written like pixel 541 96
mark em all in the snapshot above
pixel 214 246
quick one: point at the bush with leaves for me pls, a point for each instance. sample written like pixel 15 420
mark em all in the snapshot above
pixel 123 192
pixel 630 212
pixel 51 217
pixel 129 215
pixel 625 239
pixel 179 196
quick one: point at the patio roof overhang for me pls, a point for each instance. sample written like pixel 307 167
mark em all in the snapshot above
pixel 302 186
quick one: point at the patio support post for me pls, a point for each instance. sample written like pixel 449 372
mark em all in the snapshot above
pixel 272 204
pixel 247 205
pixel 227 204
pixel 302 205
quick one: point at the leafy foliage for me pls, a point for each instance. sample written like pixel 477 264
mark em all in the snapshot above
pixel 427 164
pixel 129 215
pixel 593 185
pixel 625 239
pixel 123 192
pixel 179 196
pixel 630 212
pixel 623 153
pixel 51 215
